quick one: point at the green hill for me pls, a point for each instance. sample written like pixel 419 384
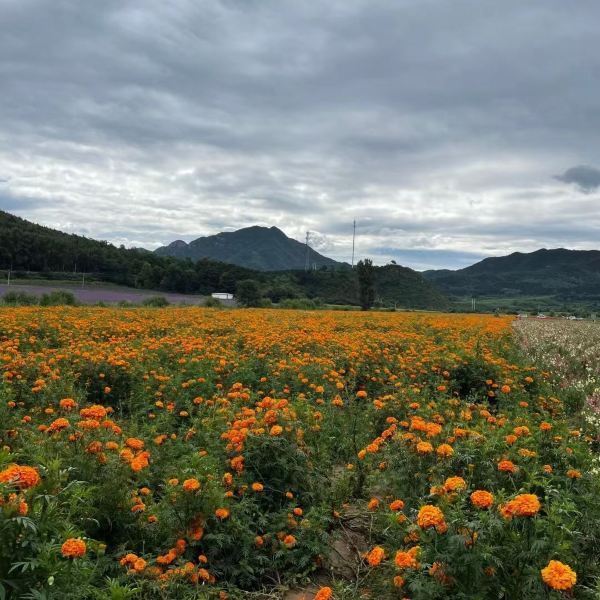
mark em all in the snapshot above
pixel 566 274
pixel 259 248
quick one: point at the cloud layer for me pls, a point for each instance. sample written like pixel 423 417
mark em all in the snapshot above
pixel 438 126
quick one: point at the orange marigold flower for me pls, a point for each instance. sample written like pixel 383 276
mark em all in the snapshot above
pixel 407 559
pixel 58 425
pixel 523 505
pixel 482 499
pixel 453 484
pixel 558 575
pixel 289 541
pixel 96 411
pixel 373 504
pixel 361 394
pixel 222 513
pixel 191 485
pixel 276 430
pixel 73 548
pixel 375 556
pixel 397 505
pixel 424 448
pixel 20 476
pixel 67 403
pixel 573 474
pixel 134 443
pixel 444 450
pixel 257 487
pixel 431 516
pixel 507 466
pixel 325 593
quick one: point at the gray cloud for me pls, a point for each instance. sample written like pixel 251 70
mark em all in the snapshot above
pixel 587 178
pixel 436 125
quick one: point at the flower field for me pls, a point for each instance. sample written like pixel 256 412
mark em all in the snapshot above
pixel 199 453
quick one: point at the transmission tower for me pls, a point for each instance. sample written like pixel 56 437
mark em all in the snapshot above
pixel 307 257
pixel 353 239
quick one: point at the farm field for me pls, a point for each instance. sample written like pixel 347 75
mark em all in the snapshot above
pixel 200 453
pixel 95 293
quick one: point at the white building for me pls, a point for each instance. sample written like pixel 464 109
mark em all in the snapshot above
pixel 222 295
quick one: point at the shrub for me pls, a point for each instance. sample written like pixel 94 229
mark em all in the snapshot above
pixel 20 299
pixel 155 302
pixel 211 302
pixel 58 298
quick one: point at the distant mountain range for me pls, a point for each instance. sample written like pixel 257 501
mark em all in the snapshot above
pixel 31 251
pixel 559 272
pixel 259 248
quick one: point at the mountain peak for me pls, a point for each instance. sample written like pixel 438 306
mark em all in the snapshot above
pixel 255 247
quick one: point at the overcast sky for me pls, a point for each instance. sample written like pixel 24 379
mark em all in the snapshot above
pixel 450 130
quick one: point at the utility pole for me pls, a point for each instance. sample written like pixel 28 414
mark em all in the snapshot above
pixel 353 240
pixel 307 258
pixel 82 279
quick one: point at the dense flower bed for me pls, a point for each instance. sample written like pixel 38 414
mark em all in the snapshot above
pixel 150 453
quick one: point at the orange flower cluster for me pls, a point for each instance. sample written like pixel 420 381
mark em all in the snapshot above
pixel 20 476
pixel 523 505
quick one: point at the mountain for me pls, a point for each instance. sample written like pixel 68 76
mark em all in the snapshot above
pixel 260 248
pixel 558 272
pixel 33 251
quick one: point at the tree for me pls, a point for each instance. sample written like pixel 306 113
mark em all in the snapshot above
pixel 366 283
pixel 248 292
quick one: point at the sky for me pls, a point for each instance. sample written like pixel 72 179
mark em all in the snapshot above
pixel 450 130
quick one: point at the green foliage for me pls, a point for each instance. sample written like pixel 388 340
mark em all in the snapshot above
pixel 248 293
pixel 366 283
pixel 211 302
pixel 156 302
pixel 19 299
pixel 58 298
